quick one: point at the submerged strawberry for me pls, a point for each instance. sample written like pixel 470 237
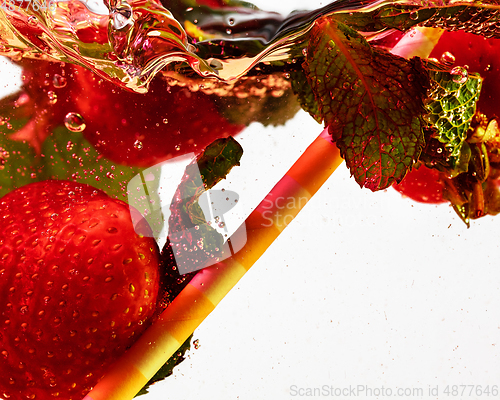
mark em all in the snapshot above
pixel 127 128
pixel 424 185
pixel 77 287
pixel 480 55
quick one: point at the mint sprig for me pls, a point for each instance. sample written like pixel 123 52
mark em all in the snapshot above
pixel 371 100
pixel 451 106
pixel 193 241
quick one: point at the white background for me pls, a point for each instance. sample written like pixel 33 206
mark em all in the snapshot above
pixel 361 289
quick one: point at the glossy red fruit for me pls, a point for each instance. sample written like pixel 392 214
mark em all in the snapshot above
pixel 424 185
pixel 145 129
pixel 127 128
pixel 77 287
pixel 480 55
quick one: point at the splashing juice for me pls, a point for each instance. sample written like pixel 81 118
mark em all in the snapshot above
pixel 112 89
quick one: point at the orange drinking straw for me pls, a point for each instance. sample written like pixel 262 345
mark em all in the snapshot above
pixel 210 285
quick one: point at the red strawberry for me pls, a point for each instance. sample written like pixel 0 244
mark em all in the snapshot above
pixel 480 55
pixel 424 185
pixel 77 287
pixel 127 128
pixel 144 129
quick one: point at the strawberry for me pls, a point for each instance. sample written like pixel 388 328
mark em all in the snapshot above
pixel 77 287
pixel 424 185
pixel 127 128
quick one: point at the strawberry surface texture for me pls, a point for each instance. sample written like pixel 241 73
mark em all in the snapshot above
pixel 77 287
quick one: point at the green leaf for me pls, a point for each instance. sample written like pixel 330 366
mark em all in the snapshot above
pixel 195 243
pixel 371 100
pixel 451 107
pixel 303 90
pixel 480 18
pixel 65 155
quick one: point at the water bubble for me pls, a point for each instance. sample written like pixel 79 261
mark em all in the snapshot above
pixel 70 145
pixel 138 145
pixel 4 155
pixel 459 75
pixel 196 344
pixel 447 58
pixel 165 120
pixel 32 20
pixel 59 81
pixel 52 97
pixel 228 31
pixel 221 224
pixel 178 147
pixel 231 21
pixel 122 16
pixel 414 15
pixel 74 122
pixel 304 51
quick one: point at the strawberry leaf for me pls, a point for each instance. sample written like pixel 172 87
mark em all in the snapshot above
pixel 371 100
pixel 66 155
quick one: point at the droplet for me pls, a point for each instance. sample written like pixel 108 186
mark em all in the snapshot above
pixel 178 147
pixel 231 21
pixel 70 145
pixel 459 75
pixel 414 15
pixel 304 51
pixel 222 224
pixel 228 31
pixel 447 58
pixel 165 120
pixel 122 16
pixel 74 122
pixel 196 344
pixel 346 85
pixel 32 20
pixel 59 81
pixel 52 97
pixel 138 145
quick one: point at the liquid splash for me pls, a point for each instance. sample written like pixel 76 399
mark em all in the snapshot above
pixel 129 42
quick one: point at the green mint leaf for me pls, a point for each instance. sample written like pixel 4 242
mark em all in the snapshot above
pixel 217 161
pixel 451 106
pixel 371 100
pixel 193 241
pixel 303 90
pixel 478 18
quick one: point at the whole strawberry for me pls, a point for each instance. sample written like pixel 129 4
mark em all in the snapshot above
pixel 77 287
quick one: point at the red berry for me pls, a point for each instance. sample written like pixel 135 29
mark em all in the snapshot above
pixel 77 287
pixel 423 185
pixel 127 128
pixel 480 55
